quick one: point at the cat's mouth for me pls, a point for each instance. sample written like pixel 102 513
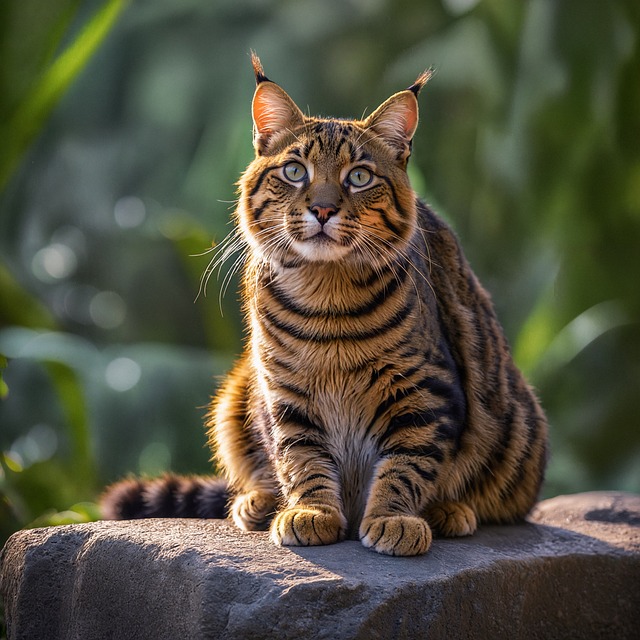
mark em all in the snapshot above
pixel 320 247
pixel 321 238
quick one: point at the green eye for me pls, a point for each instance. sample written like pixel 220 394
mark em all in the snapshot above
pixel 359 177
pixel 295 171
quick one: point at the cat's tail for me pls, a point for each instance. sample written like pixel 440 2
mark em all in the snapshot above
pixel 169 496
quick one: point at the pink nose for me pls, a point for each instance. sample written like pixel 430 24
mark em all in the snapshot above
pixel 323 212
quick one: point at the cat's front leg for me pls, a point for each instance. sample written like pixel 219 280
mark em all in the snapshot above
pixel 392 522
pixel 313 513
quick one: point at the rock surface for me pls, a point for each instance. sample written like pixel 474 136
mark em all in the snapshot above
pixel 573 571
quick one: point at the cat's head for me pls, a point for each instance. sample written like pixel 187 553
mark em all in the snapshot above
pixel 323 189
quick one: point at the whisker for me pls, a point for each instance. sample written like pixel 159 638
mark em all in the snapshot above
pixel 235 267
pixel 426 257
pixel 373 137
pixel 398 251
pixel 233 242
pixel 391 264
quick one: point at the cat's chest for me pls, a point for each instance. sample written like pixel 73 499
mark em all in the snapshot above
pixel 345 405
pixel 341 400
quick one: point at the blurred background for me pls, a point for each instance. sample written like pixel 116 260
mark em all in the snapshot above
pixel 124 127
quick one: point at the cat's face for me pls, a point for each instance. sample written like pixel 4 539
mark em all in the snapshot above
pixel 323 190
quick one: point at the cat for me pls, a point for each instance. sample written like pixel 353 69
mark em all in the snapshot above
pixel 376 398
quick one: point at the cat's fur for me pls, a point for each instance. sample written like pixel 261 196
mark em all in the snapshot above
pixel 376 397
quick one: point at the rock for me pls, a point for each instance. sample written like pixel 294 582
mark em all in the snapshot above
pixel 573 571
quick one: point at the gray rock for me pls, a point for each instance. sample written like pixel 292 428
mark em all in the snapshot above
pixel 573 571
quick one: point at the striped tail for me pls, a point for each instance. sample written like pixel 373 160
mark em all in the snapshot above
pixel 169 496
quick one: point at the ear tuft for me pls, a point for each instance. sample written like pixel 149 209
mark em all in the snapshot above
pixel 257 68
pixel 421 80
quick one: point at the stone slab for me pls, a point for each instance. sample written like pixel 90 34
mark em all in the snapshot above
pixel 573 571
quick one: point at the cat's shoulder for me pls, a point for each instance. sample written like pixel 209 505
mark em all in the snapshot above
pixel 435 230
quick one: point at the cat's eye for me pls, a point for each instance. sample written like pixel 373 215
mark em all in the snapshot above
pixel 359 177
pixel 295 171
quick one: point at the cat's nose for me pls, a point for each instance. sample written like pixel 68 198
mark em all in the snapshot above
pixel 323 212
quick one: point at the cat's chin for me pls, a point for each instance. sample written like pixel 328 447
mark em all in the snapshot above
pixel 320 249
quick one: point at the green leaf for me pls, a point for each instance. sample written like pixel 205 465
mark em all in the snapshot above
pixel 20 308
pixel 30 115
pixel 78 513
pixel 4 389
pixel 71 396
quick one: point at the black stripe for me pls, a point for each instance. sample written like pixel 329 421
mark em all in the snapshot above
pixel 376 373
pixel 532 422
pixel 291 388
pixel 429 476
pixel 340 144
pixel 258 212
pixel 258 184
pixel 366 282
pixel 296 441
pixel 408 421
pixel 436 386
pixel 384 526
pixel 352 153
pixel 309 492
pixel 385 218
pixel 316 476
pixel 322 338
pixel 293 528
pixel 490 471
pixel 500 448
pixel 316 450
pixel 422 451
pixel 289 368
pixel 307 148
pixel 450 430
pixel 273 336
pixel 407 483
pixel 285 412
pixel 396 202
pixel 408 373
pixel 387 290
pixel 374 276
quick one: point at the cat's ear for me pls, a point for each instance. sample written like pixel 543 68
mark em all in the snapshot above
pixel 272 109
pixel 396 119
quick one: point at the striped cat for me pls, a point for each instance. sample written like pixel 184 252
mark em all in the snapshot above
pixel 376 398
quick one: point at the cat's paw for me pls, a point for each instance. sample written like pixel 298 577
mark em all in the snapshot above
pixel 452 519
pixel 396 535
pixel 252 511
pixel 305 526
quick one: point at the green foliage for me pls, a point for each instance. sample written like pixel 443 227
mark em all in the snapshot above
pixel 76 514
pixel 34 75
pixel 18 308
pixel 529 144
pixel 4 390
